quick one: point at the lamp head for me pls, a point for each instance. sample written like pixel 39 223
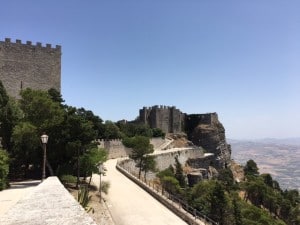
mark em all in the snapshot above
pixel 44 138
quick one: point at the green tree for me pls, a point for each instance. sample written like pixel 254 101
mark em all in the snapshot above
pixel 97 122
pixel 251 168
pixel 4 169
pixel 219 204
pixel 149 164
pixel 55 95
pixel 9 116
pixel 171 185
pixel 26 148
pixel 111 131
pixel 225 176
pixel 237 212
pixel 141 147
pixel 201 196
pixel 90 159
pixel 268 180
pixel 256 190
pixel 179 173
pixel 40 110
pixel 70 140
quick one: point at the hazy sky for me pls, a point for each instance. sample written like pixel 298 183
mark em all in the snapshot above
pixel 239 58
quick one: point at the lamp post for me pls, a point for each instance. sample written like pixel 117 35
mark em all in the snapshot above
pixel 102 170
pixel 44 139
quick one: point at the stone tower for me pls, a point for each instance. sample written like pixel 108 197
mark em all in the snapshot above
pixel 24 65
pixel 168 119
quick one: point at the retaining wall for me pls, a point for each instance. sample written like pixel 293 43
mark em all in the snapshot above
pixel 166 158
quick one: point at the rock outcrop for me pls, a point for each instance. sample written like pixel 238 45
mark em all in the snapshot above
pixel 210 135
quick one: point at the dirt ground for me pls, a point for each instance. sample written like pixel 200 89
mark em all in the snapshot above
pixel 101 214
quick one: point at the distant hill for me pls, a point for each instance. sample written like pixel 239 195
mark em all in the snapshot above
pixel 286 141
pixel 279 157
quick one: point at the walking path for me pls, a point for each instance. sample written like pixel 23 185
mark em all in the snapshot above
pixel 129 204
pixel 11 196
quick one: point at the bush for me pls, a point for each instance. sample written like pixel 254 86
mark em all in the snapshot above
pixel 84 198
pixel 4 169
pixel 68 179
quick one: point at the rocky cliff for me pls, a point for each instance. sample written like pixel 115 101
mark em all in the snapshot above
pixel 210 134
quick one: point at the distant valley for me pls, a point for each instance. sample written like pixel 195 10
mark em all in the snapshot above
pixel 279 157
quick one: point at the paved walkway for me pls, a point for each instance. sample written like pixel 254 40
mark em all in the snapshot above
pixel 129 204
pixel 9 197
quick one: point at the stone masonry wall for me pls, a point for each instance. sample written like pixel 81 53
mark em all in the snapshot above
pixel 24 65
pixel 114 148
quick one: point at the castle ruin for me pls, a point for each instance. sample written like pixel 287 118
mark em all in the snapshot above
pixel 24 65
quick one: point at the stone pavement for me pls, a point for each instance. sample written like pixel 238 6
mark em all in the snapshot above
pixel 47 204
pixel 9 197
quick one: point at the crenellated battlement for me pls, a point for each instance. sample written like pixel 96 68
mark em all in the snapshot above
pixel 8 41
pixel 159 107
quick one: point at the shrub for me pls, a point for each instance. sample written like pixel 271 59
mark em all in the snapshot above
pixel 68 179
pixel 4 169
pixel 84 198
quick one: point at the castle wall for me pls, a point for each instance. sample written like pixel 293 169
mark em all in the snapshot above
pixel 24 65
pixel 114 148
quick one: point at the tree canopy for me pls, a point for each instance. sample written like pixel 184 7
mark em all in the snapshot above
pixel 141 147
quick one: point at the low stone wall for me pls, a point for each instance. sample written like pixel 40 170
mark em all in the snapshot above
pixel 48 204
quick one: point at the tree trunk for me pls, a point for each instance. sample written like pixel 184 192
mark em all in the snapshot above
pixel 90 180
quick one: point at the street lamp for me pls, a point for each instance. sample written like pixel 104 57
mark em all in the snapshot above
pixel 44 139
pixel 102 170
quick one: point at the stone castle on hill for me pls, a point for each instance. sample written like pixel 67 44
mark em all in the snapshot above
pixel 203 130
pixel 24 65
pixel 171 120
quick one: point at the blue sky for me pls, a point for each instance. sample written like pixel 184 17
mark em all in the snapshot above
pixel 237 58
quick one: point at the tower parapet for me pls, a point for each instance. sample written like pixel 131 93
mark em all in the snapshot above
pixel 8 41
